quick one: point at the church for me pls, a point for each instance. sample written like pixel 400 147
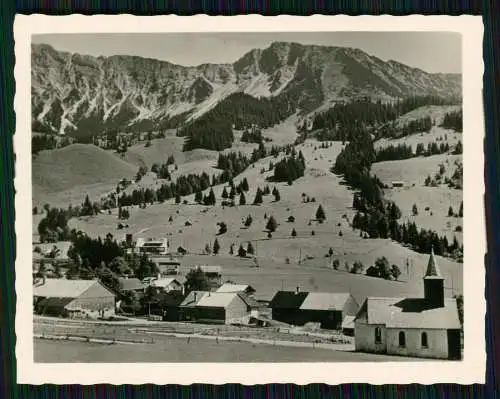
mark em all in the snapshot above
pixel 427 327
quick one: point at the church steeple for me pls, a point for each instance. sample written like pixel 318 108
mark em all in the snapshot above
pixel 433 283
pixel 432 267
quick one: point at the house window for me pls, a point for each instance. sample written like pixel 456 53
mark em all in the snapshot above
pixel 423 340
pixel 378 335
pixel 402 339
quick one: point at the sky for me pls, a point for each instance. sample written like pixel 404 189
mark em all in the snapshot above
pixel 429 51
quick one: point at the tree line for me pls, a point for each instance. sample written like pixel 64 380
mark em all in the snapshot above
pixel 405 151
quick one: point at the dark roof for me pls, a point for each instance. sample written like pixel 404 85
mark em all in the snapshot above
pixel 432 267
pixel 131 284
pixel 410 313
pixel 287 300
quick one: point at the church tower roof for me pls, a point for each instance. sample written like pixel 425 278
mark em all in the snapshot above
pixel 432 268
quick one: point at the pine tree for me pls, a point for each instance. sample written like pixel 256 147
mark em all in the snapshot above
pixel 211 197
pixel 294 233
pixel 241 252
pixel 258 197
pixel 277 196
pixel 415 210
pixel 320 214
pixel 271 224
pixel 224 193
pixel 178 198
pixel 198 197
pixel 450 211
pixel 231 249
pixel 250 249
pixel 248 221
pixel 243 200
pixel 461 210
pixel 244 185
pixel 216 248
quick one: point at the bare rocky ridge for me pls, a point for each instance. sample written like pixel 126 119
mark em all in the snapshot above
pixel 73 93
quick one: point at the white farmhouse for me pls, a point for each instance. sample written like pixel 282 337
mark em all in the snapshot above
pixel 152 246
pixel 421 327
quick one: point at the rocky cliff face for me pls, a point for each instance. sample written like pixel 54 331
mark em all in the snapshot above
pixel 73 93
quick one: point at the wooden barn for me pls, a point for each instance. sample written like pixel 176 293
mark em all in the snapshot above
pixel 327 308
pixel 214 307
pixel 73 298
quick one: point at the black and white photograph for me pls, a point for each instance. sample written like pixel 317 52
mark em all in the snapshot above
pixel 251 197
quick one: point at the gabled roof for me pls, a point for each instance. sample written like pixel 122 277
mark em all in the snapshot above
pixel 217 299
pixel 193 298
pixel 432 268
pixel 164 282
pixel 61 288
pixel 325 301
pixel 131 284
pixel 230 287
pixel 287 300
pixel 410 313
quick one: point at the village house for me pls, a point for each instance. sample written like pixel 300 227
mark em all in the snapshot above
pixel 422 327
pixel 151 246
pixel 73 298
pixel 215 307
pixel 131 284
pixel 167 266
pixel 167 284
pixel 327 308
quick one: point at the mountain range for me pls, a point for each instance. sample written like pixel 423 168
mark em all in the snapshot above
pixel 74 94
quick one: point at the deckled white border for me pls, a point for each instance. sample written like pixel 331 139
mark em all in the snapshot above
pixel 470 370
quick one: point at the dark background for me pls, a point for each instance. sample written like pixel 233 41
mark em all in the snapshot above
pixel 489 9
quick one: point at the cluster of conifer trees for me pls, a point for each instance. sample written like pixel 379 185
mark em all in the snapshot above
pixel 405 151
pixel 290 168
pixel 214 129
pixel 453 120
pixel 232 164
pixel 341 121
pixel 375 215
pixel 252 136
